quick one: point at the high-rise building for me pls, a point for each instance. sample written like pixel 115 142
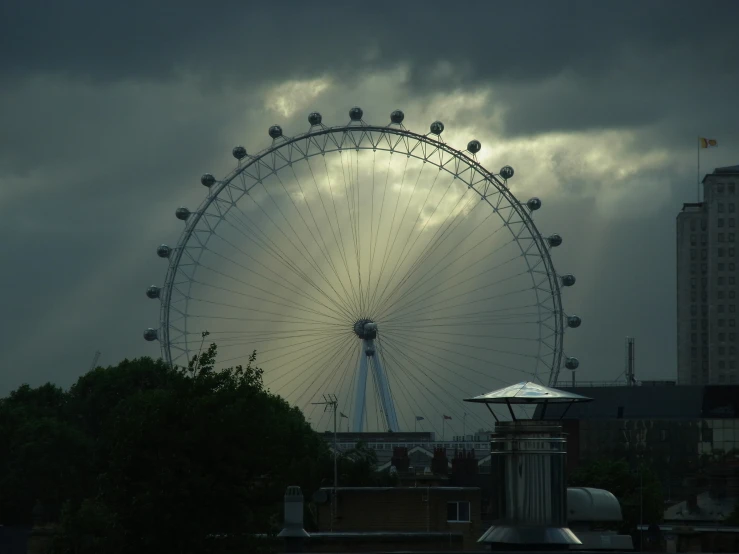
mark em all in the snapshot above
pixel 706 283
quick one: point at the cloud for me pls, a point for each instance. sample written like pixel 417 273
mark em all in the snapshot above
pixel 114 111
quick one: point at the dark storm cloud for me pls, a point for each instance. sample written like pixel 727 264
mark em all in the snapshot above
pixel 111 110
pixel 490 40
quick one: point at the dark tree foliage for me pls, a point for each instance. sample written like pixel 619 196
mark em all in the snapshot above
pixel 638 489
pixel 144 458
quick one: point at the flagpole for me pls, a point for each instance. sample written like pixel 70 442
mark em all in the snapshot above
pixel 699 169
pixel 443 429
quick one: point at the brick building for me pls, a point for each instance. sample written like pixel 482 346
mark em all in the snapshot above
pixel 450 513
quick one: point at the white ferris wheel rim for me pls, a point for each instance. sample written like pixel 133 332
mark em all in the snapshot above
pixel 394 139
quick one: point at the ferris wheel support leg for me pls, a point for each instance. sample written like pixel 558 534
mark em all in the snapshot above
pixel 360 395
pixel 385 397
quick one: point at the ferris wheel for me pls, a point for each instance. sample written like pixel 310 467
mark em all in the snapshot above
pixel 370 262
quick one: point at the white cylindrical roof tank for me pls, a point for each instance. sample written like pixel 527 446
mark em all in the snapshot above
pixel 588 504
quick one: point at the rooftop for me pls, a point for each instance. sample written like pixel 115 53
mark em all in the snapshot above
pixel 666 402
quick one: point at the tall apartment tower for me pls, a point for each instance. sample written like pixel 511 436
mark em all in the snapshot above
pixel 707 260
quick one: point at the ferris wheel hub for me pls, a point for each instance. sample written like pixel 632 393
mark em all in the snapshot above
pixel 365 329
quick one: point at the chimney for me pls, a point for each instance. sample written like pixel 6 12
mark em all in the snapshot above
pixel 528 459
pixel 464 466
pixel 400 459
pixel 293 531
pixel 439 463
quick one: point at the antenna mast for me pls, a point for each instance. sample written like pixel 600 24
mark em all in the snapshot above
pixel 331 403
pixel 95 359
pixel 630 378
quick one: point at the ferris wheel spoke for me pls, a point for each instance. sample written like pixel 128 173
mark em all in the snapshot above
pixel 451 407
pixel 342 255
pixel 276 254
pixel 464 345
pixel 293 305
pixel 424 295
pixel 430 247
pixel 341 353
pixel 425 309
pixel 402 386
pixel 422 352
pixel 426 344
pixel 403 254
pixel 300 363
pixel 267 312
pixel 438 271
pixel 337 311
pixel 300 252
pixel 502 312
pixel 400 226
pixel 322 245
pixel 376 234
pixel 386 251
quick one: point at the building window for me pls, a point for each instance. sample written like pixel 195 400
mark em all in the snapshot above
pixel 732 294
pixel 721 267
pixel 732 237
pixel 694 324
pixel 732 222
pixel 693 240
pixel 721 377
pixel 732 364
pixel 732 323
pixel 693 338
pixel 721 350
pixel 704 268
pixel 720 252
pixel 720 222
pixel 720 188
pixel 722 337
pixel 721 322
pixel 720 281
pixel 458 511
pixel 720 308
pixel 721 237
pixel 732 378
pixel 732 207
pixel 732 267
pixel 704 254
pixel 692 254
pixel 692 224
pixel 693 296
pixel 732 252
pixel 732 188
pixel 732 308
pixel 704 338
pixel 704 224
pixel 720 207
pixel 693 310
pixel 720 295
pixel 721 364
pixel 732 350
pixel 732 337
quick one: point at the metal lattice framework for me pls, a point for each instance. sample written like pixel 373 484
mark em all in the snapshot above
pixel 281 235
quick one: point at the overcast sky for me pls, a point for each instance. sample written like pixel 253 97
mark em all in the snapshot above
pixel 111 111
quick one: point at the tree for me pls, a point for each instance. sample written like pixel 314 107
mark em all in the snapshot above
pixel 637 489
pixel 187 453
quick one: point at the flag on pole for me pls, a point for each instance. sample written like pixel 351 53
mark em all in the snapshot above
pixel 342 415
pixel 708 143
pixel 419 418
pixel 447 417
